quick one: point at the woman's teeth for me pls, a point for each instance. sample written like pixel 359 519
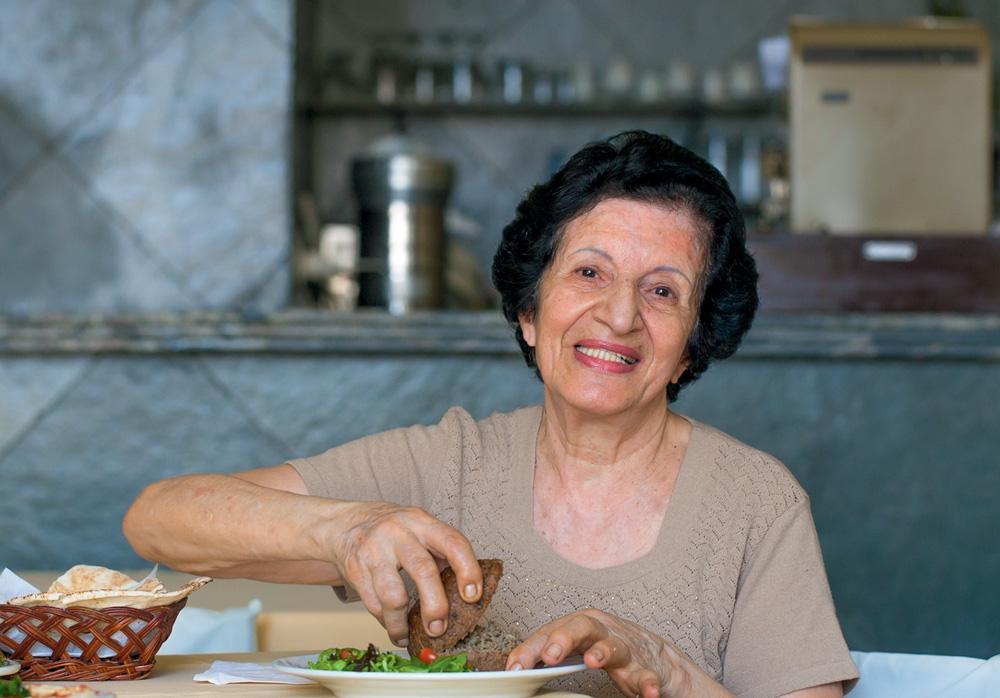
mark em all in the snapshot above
pixel 605 355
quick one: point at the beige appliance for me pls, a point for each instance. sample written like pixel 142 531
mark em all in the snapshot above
pixel 890 128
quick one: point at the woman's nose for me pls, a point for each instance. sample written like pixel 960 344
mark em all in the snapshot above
pixel 619 308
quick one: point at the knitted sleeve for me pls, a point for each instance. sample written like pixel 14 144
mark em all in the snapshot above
pixel 401 465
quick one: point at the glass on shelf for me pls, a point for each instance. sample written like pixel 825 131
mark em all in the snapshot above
pixel 617 82
pixel 584 89
pixel 681 80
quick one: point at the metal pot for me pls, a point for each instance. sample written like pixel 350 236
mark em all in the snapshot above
pixel 402 189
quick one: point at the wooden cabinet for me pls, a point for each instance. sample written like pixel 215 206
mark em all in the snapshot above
pixel 839 274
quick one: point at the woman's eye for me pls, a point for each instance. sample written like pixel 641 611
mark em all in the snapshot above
pixel 663 292
pixel 588 272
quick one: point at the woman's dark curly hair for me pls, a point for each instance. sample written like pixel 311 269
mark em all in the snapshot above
pixel 638 166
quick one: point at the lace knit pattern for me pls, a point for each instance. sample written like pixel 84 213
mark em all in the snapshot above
pixel 689 602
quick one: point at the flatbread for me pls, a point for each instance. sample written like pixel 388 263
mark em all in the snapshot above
pixel 84 577
pixel 42 598
pixel 131 598
pixel 56 690
pixel 120 590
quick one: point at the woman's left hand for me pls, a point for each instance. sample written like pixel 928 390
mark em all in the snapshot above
pixel 639 662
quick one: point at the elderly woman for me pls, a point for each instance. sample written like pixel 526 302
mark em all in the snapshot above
pixel 675 558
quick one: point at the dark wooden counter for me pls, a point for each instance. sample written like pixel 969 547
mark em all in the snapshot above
pixel 839 274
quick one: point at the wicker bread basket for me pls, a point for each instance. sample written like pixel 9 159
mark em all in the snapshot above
pixel 78 637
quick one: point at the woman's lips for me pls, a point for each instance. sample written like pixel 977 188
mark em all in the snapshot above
pixel 605 354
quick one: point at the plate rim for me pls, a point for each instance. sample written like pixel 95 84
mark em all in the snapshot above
pixel 11 667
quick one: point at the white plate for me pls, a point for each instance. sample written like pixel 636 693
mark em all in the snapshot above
pixel 475 684
pixel 11 667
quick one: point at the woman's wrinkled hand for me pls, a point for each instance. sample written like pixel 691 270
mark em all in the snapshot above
pixel 637 661
pixel 372 541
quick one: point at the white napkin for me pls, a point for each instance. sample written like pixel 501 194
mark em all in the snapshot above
pixel 11 585
pixel 246 672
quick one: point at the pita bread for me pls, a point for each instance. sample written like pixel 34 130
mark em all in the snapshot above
pixel 132 598
pixel 83 577
pixel 55 690
pixel 42 598
pixel 115 590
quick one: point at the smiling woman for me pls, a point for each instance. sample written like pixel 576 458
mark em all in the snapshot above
pixel 674 558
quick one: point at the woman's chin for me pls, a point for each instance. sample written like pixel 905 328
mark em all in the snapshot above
pixel 600 404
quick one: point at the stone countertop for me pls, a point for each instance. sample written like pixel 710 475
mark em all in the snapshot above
pixel 774 336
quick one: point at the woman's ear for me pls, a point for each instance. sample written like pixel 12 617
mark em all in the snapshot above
pixel 682 366
pixel 527 329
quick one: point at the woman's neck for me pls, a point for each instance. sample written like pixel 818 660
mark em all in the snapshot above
pixel 593 444
pixel 601 487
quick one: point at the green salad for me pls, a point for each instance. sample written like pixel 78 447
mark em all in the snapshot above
pixel 13 687
pixel 371 659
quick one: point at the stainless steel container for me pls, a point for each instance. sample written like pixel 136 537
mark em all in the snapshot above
pixel 402 190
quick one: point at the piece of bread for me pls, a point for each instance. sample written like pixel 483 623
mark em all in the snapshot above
pixel 87 577
pixel 463 624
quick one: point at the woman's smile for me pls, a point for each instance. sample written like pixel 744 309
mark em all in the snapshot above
pixel 599 355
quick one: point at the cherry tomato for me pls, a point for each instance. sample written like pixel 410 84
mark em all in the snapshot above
pixel 346 654
pixel 427 655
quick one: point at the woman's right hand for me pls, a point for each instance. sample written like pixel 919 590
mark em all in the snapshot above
pixel 372 541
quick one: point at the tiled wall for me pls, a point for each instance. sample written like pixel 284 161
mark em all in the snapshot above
pixel 144 155
pixel 144 166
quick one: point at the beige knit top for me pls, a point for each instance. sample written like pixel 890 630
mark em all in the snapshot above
pixel 735 579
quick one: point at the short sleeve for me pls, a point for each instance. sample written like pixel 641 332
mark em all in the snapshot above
pixel 400 465
pixel 785 635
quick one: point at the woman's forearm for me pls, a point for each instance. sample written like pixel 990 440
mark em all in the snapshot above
pixel 262 525
pixel 227 526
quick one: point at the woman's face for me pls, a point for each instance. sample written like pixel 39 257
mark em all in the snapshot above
pixel 617 306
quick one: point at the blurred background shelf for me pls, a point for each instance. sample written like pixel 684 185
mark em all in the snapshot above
pixel 682 108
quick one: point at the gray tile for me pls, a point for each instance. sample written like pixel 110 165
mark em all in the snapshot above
pixel 352 19
pixel 20 145
pixel 193 153
pixel 270 290
pixel 550 36
pixel 277 15
pixel 60 59
pixel 63 252
pixel 315 404
pixel 129 423
pixel 28 386
pixel 909 462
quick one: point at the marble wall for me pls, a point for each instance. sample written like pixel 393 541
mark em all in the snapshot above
pixel 145 169
pixel 144 155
